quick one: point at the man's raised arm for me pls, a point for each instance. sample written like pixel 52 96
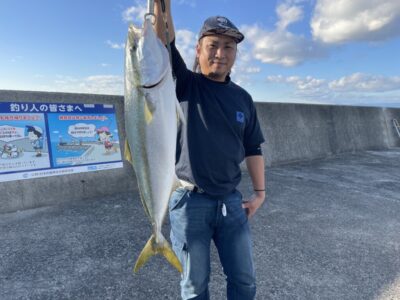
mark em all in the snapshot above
pixel 160 26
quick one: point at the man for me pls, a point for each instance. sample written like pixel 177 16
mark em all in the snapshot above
pixel 221 129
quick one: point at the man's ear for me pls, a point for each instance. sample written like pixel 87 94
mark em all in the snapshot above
pixel 198 48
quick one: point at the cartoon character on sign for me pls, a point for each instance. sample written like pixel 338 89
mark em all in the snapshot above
pixel 105 137
pixel 35 135
pixel 10 151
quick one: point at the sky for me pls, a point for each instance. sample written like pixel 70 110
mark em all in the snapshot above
pixel 300 51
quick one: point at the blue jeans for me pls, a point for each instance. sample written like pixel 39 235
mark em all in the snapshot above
pixel 196 219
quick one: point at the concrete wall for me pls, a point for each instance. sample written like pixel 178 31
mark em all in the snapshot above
pixel 294 132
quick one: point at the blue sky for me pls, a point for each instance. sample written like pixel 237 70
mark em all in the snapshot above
pixel 311 51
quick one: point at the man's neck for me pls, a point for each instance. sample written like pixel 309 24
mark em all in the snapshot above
pixel 216 77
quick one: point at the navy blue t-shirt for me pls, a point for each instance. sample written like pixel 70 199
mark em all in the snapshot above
pixel 221 128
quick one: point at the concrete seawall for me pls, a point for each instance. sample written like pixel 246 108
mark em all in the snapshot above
pixel 294 132
pixel 297 132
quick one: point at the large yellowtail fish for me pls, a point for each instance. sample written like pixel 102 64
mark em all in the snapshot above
pixel 151 121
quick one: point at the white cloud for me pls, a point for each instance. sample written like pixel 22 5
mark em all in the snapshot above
pixel 355 20
pixel 242 73
pixel 115 45
pixel 302 84
pixel 305 87
pixel 359 82
pixel 281 46
pixel 95 84
pixel 186 43
pixel 135 13
pixel 252 70
pixel 288 14
pixel 354 89
pixel 243 69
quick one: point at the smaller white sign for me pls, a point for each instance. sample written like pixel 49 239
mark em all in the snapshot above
pixel 82 130
pixel 11 133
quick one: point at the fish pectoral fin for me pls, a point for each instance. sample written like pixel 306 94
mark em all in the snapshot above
pixel 152 248
pixel 127 152
pixel 148 115
pixel 149 109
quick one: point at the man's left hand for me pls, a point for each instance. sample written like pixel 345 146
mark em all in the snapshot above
pixel 254 203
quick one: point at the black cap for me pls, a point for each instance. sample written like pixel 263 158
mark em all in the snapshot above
pixel 220 25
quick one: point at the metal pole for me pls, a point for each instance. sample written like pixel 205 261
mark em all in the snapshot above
pixel 150 7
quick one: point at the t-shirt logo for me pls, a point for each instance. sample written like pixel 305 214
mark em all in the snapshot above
pixel 240 117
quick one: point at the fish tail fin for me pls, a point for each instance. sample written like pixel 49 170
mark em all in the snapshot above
pixel 152 248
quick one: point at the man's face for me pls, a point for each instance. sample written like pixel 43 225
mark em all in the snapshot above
pixel 216 55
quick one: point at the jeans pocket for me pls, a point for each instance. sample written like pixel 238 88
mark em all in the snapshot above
pixel 236 212
pixel 176 199
pixel 244 210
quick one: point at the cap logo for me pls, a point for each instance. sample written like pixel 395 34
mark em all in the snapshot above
pixel 223 22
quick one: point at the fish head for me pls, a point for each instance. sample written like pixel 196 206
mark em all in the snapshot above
pixel 146 56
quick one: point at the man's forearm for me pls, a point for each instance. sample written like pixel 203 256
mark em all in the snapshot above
pixel 160 26
pixel 255 166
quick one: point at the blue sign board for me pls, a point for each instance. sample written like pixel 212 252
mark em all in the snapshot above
pixel 48 139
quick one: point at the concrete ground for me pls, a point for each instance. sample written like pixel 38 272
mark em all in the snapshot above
pixel 330 229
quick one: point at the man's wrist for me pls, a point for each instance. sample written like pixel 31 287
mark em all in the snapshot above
pixel 259 192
